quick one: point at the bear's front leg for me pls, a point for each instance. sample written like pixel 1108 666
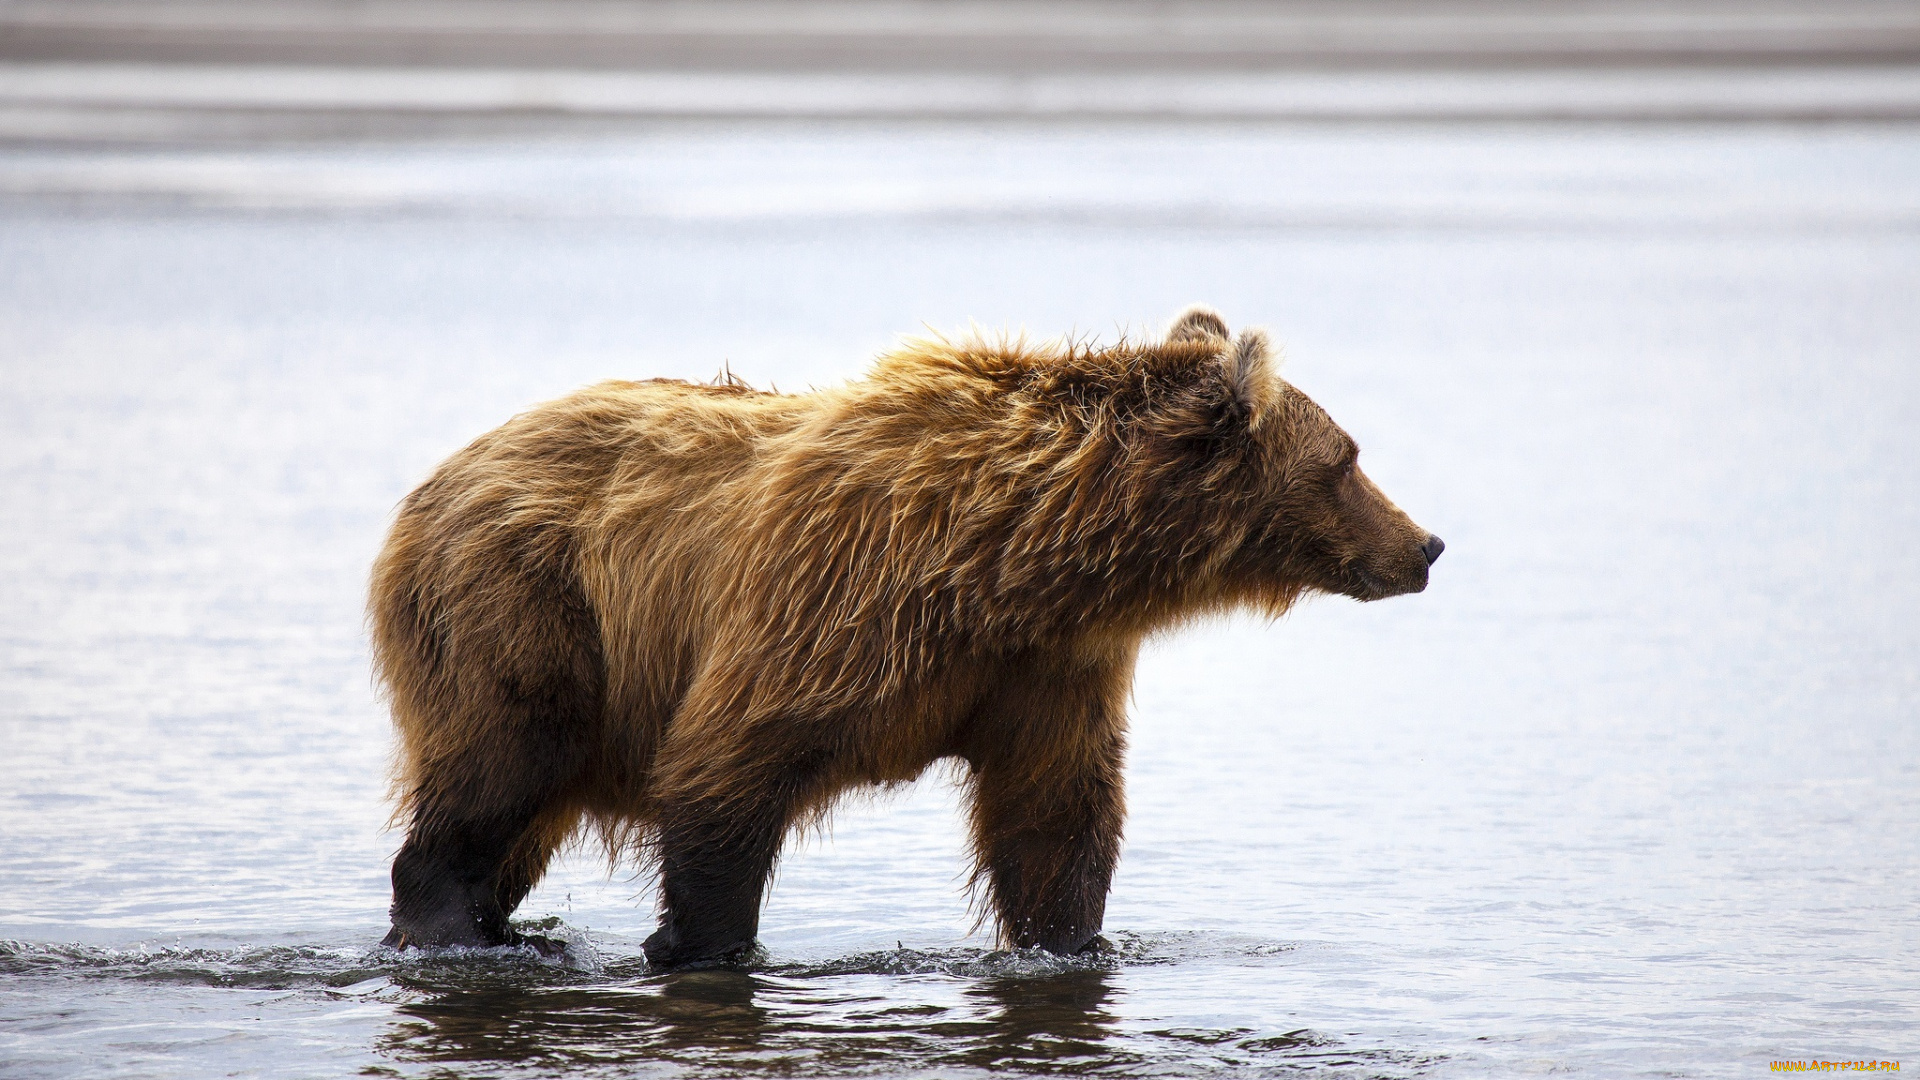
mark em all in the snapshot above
pixel 1048 806
pixel 1047 847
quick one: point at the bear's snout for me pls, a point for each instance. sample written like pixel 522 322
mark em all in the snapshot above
pixel 1432 548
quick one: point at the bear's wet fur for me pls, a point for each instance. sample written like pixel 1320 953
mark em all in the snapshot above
pixel 691 616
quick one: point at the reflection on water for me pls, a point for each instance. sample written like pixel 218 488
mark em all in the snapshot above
pixel 508 1011
pixel 1048 1024
pixel 802 1021
pixel 765 1023
pixel 776 1020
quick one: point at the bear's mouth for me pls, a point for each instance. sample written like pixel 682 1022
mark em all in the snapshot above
pixel 1372 586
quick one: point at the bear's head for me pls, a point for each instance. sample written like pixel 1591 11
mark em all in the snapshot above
pixel 1318 522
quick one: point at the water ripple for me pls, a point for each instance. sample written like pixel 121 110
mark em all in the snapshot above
pixel 957 1011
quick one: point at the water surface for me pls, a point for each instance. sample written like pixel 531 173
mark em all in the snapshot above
pixel 1627 791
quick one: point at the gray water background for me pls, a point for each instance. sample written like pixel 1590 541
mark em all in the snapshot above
pixel 1628 791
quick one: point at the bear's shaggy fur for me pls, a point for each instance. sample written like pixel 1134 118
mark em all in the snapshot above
pixel 693 615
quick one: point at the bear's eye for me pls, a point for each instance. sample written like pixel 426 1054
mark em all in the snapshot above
pixel 1344 470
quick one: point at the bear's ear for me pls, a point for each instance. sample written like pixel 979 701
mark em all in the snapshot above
pixel 1250 374
pixel 1198 323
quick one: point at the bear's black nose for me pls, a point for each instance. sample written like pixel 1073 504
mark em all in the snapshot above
pixel 1432 548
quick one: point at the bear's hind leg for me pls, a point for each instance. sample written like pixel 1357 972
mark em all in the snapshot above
pixel 475 850
pixel 716 852
pixel 446 879
pixel 499 721
pixel 713 875
pixel 527 863
pixel 468 863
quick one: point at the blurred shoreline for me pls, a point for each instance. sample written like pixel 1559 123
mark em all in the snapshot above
pixel 120 72
pixel 1001 35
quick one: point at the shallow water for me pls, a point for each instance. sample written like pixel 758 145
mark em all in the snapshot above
pixel 1627 791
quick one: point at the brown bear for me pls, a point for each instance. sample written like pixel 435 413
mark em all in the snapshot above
pixel 692 615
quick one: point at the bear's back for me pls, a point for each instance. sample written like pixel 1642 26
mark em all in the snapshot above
pixel 565 479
